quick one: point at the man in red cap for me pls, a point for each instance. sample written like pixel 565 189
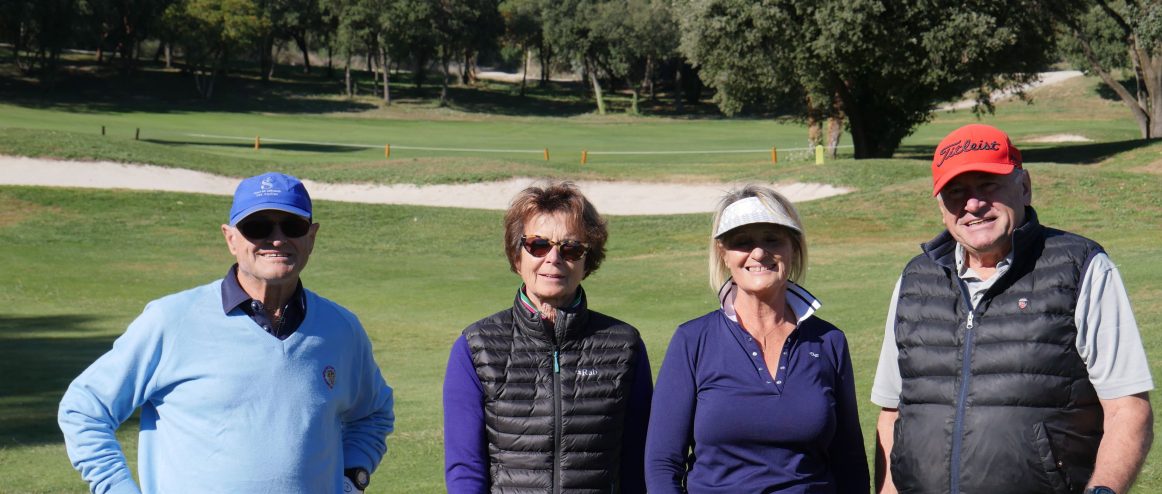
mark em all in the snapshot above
pixel 1011 360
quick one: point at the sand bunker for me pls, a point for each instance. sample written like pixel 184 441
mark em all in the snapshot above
pixel 618 198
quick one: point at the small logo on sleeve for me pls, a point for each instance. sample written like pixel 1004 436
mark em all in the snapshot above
pixel 1023 303
pixel 329 377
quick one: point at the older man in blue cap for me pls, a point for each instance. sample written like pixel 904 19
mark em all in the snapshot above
pixel 247 384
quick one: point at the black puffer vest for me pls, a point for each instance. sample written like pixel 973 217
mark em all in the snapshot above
pixel 995 399
pixel 554 398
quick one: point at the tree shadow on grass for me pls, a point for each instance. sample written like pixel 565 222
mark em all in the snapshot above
pixel 558 99
pixel 39 357
pixel 279 146
pixel 87 87
pixel 1089 153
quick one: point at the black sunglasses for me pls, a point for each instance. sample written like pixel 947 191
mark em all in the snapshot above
pixel 261 227
pixel 571 250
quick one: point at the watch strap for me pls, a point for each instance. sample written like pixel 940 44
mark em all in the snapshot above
pixel 358 476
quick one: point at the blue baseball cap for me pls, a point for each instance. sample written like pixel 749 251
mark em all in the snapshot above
pixel 270 191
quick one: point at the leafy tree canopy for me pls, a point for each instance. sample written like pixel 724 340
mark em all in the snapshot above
pixel 887 64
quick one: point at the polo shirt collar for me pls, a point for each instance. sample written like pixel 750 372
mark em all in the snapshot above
pixel 234 296
pixel 801 301
pixel 967 273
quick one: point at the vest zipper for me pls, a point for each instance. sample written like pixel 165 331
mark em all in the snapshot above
pixel 965 376
pixel 556 421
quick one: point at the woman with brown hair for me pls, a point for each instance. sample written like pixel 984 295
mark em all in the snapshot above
pixel 547 395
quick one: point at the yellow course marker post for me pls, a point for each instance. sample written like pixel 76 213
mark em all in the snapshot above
pixel 257 142
pixel 818 154
pixel 774 155
pixel 584 156
pixel 387 151
pixel 546 154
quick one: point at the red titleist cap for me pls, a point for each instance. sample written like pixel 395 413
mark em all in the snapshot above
pixel 973 148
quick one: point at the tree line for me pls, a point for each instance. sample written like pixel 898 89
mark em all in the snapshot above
pixel 875 68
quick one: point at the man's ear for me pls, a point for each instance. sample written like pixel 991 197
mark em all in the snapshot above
pixel 228 234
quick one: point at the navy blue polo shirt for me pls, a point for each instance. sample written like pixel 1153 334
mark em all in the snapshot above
pixel 234 297
pixel 723 423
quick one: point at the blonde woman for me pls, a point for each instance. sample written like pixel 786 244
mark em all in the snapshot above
pixel 759 395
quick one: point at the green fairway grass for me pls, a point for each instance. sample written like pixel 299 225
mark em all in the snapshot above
pixel 79 265
pixel 76 266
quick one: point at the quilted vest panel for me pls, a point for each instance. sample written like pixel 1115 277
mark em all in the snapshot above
pixel 530 400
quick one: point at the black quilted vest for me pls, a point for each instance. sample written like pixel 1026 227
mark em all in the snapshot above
pixel 995 399
pixel 554 398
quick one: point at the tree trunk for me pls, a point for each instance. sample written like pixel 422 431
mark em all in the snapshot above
pixel 1152 79
pixel 419 75
pixel 524 71
pixel 274 60
pixel 834 133
pixel 445 61
pixel 169 55
pixel 597 93
pixel 860 139
pixel 679 99
pixel 347 77
pixel 834 126
pixel 330 60
pixel 301 41
pixel 383 65
pixel 814 123
pixel 546 59
pixel 633 104
pixel 265 59
pixel 371 52
pixel 100 48
pixel 466 77
pixel 648 81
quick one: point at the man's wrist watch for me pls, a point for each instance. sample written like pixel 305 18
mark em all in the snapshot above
pixel 360 477
pixel 1100 489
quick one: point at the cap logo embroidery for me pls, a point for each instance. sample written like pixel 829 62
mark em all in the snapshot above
pixel 266 188
pixel 1022 303
pixel 329 377
pixel 960 147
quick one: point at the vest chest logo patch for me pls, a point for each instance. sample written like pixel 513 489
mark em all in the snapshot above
pixel 586 373
pixel 1023 303
pixel 329 377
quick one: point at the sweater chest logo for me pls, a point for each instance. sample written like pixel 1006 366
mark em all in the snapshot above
pixel 1023 303
pixel 584 373
pixel 329 377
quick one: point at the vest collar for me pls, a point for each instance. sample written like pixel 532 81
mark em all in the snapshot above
pixel 571 321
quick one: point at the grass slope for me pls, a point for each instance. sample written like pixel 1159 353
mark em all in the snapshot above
pixel 80 264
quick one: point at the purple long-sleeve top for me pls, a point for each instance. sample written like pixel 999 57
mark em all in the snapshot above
pixel 466 446
pixel 724 423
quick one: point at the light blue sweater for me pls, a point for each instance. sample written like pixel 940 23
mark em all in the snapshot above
pixel 225 406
